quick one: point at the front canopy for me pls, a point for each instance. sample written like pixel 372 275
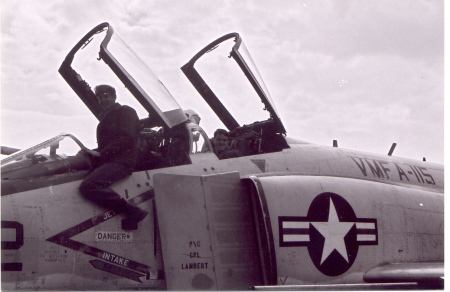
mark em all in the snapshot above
pixel 84 68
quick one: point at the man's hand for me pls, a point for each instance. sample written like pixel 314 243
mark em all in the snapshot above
pixel 90 156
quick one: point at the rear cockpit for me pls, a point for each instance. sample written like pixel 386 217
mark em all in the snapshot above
pixel 225 75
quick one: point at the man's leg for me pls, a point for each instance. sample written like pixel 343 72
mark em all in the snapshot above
pixel 95 187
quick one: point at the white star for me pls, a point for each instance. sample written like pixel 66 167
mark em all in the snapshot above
pixel 334 232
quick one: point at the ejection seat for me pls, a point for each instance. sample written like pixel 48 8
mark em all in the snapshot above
pixel 172 147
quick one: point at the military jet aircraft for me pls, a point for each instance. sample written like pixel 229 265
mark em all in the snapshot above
pixel 286 215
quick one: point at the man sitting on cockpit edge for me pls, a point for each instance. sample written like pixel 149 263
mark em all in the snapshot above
pixel 115 157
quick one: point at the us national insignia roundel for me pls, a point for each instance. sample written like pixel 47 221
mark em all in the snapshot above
pixel 331 232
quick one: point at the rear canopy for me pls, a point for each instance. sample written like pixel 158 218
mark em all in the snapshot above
pixel 214 95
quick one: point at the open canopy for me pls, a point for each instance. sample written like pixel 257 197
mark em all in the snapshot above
pixel 223 73
pixel 83 69
pixel 226 84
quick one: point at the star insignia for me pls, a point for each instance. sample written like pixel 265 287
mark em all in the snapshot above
pixel 334 232
pixel 331 232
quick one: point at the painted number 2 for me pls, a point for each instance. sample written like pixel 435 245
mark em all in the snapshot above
pixel 16 244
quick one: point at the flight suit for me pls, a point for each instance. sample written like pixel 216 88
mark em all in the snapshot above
pixel 117 135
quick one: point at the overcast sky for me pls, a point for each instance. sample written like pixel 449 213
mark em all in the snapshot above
pixel 366 73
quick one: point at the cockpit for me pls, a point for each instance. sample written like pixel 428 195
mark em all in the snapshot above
pixel 223 73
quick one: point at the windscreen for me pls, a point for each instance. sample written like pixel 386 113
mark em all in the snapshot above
pixel 71 146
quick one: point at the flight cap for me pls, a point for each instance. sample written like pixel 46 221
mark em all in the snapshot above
pixel 105 88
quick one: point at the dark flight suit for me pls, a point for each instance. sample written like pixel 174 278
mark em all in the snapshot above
pixel 117 135
pixel 229 153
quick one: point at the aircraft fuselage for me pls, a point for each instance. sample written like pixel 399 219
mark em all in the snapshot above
pixel 54 239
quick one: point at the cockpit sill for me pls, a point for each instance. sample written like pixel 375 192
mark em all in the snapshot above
pixel 186 144
pixel 29 169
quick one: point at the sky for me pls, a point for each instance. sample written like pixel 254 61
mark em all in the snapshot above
pixel 364 73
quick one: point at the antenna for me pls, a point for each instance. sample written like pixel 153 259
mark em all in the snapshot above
pixel 392 149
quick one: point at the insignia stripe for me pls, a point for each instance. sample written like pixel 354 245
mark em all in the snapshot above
pixel 366 237
pixel 296 238
pixel 366 231
pixel 365 225
pixel 295 231
pixel 295 224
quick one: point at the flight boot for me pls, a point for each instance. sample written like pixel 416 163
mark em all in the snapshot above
pixel 134 216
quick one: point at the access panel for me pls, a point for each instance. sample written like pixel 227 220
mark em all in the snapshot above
pixel 207 232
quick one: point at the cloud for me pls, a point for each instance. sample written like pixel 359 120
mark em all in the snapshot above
pixel 27 128
pixel 366 72
pixel 348 28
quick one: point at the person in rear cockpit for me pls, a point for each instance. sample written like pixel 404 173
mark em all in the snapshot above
pixel 115 157
pixel 221 145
